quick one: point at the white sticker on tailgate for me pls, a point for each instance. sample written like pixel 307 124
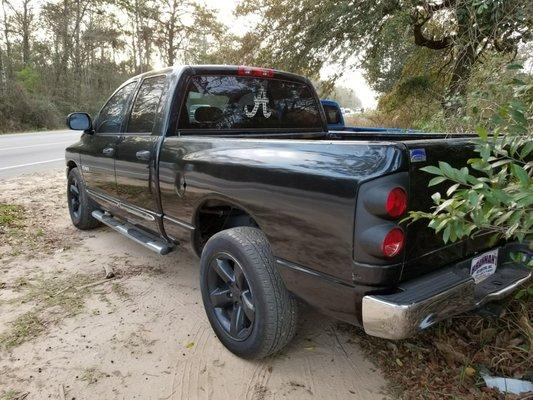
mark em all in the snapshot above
pixel 484 265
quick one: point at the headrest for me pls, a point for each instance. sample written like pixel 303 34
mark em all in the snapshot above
pixel 208 114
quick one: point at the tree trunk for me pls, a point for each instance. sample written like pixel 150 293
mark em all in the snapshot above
pixel 77 53
pixel 9 54
pixel 455 100
pixel 26 32
pixel 170 44
pixel 2 73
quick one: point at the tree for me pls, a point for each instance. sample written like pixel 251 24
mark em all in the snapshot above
pixel 183 28
pixel 494 194
pixel 23 21
pixel 346 97
pixel 304 35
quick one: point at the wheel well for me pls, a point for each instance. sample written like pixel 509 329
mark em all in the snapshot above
pixel 70 165
pixel 214 216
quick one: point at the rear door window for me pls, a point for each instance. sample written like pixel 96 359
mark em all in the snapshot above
pixel 223 102
pixel 144 109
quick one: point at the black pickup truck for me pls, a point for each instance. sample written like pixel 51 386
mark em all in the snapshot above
pixel 239 162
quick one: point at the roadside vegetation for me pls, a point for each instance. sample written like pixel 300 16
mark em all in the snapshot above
pixel 19 234
pixel 51 299
pixel 10 216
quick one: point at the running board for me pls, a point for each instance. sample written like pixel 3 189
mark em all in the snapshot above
pixel 134 233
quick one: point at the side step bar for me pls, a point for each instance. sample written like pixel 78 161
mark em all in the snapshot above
pixel 134 233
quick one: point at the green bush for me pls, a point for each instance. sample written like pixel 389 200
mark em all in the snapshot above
pixel 20 110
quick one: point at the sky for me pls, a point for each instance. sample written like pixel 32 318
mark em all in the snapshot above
pixel 352 77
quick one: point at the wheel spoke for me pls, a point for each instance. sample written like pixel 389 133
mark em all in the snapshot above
pixel 220 297
pixel 224 270
pixel 237 321
pixel 238 276
pixel 74 190
pixel 248 305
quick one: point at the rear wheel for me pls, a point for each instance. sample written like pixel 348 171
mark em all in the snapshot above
pixel 245 299
pixel 80 206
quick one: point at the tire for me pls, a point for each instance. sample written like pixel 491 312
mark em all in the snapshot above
pixel 80 206
pixel 272 324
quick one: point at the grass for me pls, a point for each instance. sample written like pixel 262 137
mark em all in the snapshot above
pixel 16 228
pixel 119 290
pixel 24 328
pixel 10 215
pixel 54 298
pixel 11 395
pixel 91 375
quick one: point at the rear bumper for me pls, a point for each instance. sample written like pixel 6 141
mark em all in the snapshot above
pixel 437 296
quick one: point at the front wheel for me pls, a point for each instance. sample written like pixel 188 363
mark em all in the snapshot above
pixel 80 206
pixel 247 304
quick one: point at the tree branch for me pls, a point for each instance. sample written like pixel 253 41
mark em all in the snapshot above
pixel 421 40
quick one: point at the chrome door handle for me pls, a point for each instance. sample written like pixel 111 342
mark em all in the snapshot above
pixel 108 151
pixel 143 155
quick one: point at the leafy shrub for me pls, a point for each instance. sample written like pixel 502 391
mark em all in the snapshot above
pixel 496 193
pixel 20 110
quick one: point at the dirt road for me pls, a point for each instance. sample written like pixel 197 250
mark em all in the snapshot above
pixel 144 334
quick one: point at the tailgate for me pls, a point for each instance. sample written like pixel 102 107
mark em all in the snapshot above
pixel 425 250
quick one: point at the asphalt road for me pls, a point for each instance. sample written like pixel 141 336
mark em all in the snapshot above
pixel 23 153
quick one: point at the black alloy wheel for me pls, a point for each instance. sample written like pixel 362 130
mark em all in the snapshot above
pixel 74 197
pixel 244 296
pixel 230 296
pixel 80 206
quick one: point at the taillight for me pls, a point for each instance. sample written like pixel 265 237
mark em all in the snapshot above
pixel 386 201
pixel 393 242
pixel 256 72
pixel 379 235
pixel 396 203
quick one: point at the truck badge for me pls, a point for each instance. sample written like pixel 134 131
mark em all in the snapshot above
pixel 417 155
pixel 261 100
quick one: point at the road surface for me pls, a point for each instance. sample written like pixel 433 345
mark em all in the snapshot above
pixel 23 153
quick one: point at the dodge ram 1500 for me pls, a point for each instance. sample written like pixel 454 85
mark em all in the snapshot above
pixel 239 163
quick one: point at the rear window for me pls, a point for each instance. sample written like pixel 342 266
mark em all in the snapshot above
pixel 333 115
pixel 246 103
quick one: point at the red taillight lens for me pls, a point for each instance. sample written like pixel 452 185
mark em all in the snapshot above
pixel 393 242
pixel 396 202
pixel 256 72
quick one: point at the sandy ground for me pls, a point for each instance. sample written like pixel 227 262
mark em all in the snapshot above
pixel 144 334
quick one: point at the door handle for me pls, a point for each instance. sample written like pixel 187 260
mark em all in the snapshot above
pixel 143 155
pixel 108 151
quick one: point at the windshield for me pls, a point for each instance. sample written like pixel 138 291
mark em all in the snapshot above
pixel 248 103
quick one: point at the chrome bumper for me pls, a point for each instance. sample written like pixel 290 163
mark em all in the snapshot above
pixel 398 317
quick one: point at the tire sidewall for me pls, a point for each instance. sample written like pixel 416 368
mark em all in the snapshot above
pixel 85 220
pixel 224 243
pixel 74 175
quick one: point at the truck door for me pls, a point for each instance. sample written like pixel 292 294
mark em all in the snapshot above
pixel 98 161
pixel 134 161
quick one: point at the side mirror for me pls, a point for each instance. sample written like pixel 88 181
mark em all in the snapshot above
pixel 80 121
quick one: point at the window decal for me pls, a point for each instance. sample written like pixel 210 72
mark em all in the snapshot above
pixel 261 100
